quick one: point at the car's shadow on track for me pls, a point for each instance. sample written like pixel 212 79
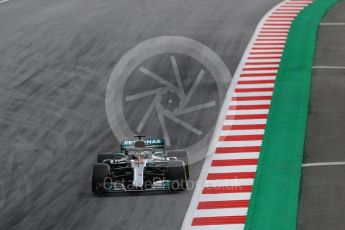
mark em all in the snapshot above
pixel 131 193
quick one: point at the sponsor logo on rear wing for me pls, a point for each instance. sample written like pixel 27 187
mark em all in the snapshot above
pixel 150 143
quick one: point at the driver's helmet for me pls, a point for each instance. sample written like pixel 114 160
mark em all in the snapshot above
pixel 141 154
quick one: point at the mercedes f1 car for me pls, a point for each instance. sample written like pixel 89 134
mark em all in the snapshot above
pixel 142 165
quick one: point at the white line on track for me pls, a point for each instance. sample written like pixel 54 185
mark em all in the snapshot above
pixel 264 41
pixel 225 144
pixel 278 22
pixel 323 164
pixel 270 37
pixel 264 56
pixel 251 102
pixel 245 122
pixel 263 66
pixel 276 26
pixel 245 95
pixel 3 1
pixel 234 156
pixel 272 33
pixel 263 59
pixel 255 86
pixel 292 8
pixel 219 227
pixel 226 196
pixel 259 72
pixel 247 112
pixel 332 24
pixel 260 65
pixel 266 45
pixel 221 212
pixel 248 94
pixel 229 182
pixel 296 11
pixel 242 132
pixel 328 67
pixel 233 169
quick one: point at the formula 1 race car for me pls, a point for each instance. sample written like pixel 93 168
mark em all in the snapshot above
pixel 142 165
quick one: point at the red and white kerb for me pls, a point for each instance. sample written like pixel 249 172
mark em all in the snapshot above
pixel 222 202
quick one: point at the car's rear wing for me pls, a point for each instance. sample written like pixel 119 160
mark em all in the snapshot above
pixel 156 143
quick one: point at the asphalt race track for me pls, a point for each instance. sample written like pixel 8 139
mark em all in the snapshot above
pixel 322 187
pixel 56 59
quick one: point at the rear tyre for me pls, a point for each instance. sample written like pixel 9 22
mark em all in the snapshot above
pixel 99 174
pixel 181 155
pixel 177 175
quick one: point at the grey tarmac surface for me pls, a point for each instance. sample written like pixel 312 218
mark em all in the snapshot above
pixel 55 60
pixel 322 199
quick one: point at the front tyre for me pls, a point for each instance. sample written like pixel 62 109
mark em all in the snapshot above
pixel 180 155
pixel 100 172
pixel 177 175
